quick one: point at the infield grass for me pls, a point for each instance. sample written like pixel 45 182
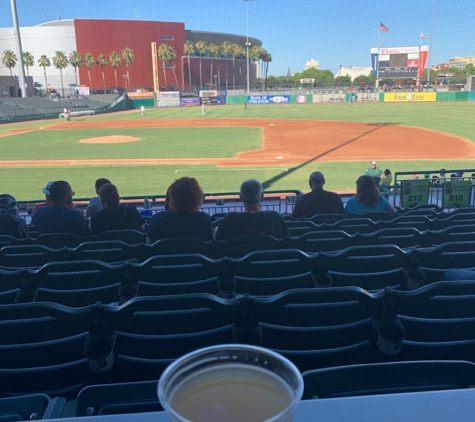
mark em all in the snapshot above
pixel 26 182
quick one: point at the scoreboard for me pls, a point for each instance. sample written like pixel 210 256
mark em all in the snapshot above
pixel 399 62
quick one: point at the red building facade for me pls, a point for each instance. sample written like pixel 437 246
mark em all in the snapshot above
pixel 97 36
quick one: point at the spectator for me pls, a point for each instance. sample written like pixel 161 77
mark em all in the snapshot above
pixel 95 203
pixel 59 218
pixel 10 222
pixel 318 201
pixel 48 198
pixel 367 199
pixel 386 180
pixel 252 221
pixel 374 171
pixel 113 215
pixel 183 218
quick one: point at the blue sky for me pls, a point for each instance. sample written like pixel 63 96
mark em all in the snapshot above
pixel 333 32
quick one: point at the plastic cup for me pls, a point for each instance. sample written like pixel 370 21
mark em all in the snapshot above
pixel 232 383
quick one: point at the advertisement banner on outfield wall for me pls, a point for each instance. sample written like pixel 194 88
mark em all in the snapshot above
pixel 140 95
pixel 268 99
pixel 218 99
pixel 168 99
pixel 209 100
pixel 410 96
pixel 188 102
pixel 189 94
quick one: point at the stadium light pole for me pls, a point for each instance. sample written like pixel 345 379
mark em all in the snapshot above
pixel 16 28
pixel 247 42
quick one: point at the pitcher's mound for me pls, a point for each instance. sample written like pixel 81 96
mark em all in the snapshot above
pixel 113 139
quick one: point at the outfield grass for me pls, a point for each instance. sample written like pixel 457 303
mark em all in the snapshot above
pixel 26 182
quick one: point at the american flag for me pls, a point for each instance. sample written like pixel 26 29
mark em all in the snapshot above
pixel 423 36
pixel 383 28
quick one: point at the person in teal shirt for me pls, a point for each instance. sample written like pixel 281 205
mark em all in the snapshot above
pixel 367 199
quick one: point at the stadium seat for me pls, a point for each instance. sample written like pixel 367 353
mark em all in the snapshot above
pixel 210 248
pixel 28 256
pixel 154 331
pixel 419 222
pixel 30 407
pixel 317 307
pixel 42 348
pixel 438 320
pixel 76 283
pixel 177 274
pixel 387 378
pixel 436 260
pixel 455 233
pixel 118 398
pixel 353 225
pixel 60 240
pixel 239 246
pixel 322 241
pixel 404 237
pixel 6 240
pixel 132 237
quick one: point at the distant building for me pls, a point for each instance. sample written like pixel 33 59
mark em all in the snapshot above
pixel 312 64
pixel 461 62
pixel 354 71
pixel 440 66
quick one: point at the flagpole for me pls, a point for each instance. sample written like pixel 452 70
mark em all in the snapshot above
pixel 418 80
pixel 430 40
pixel 377 60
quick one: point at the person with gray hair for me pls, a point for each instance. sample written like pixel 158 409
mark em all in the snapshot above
pixel 10 222
pixel 253 221
pixel 318 200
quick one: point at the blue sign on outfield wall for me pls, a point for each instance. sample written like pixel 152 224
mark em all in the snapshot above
pixel 268 99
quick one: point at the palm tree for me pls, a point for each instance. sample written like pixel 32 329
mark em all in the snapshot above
pixel 240 55
pixel 235 53
pixel 28 61
pixel 201 47
pixel 89 62
pixel 255 53
pixel 162 52
pixel 60 61
pixel 115 62
pixel 102 61
pixel 188 49
pixel 214 51
pixel 128 56
pixel 44 62
pixel 75 59
pixel 9 59
pixel 267 59
pixel 170 59
pixel 227 50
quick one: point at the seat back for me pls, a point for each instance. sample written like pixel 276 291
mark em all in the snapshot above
pixel 387 378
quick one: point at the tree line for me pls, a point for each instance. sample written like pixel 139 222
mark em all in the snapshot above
pixel 61 61
pixel 165 53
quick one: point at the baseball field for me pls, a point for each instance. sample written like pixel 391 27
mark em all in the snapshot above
pixel 276 144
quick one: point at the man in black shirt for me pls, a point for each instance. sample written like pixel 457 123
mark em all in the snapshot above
pixel 253 221
pixel 318 201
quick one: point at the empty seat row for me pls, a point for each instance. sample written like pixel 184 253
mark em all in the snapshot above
pixel 117 246
pixel 56 349
pixel 264 273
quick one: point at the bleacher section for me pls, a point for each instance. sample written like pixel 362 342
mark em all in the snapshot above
pixel 40 107
pixel 83 318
